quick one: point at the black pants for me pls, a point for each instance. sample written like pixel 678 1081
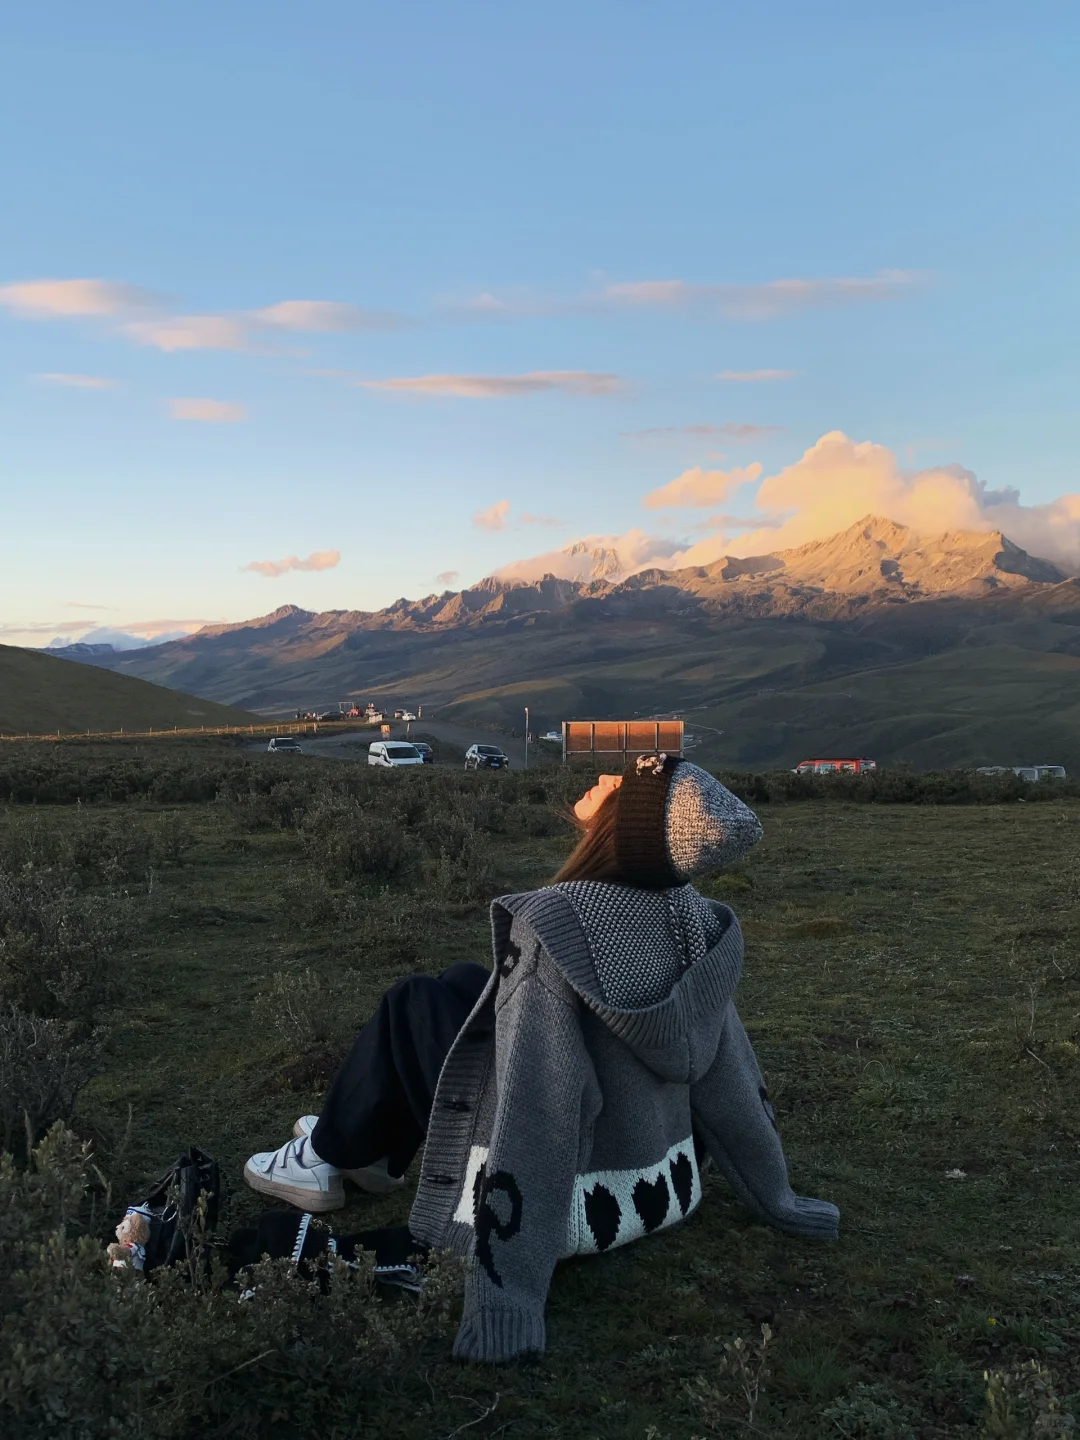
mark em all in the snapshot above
pixel 381 1098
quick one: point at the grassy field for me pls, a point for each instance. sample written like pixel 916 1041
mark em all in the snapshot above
pixel 913 991
pixel 41 694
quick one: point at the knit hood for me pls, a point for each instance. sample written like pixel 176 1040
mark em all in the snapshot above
pixel 675 821
pixel 589 929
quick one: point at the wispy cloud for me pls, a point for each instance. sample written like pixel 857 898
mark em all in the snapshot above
pixel 245 329
pixel 755 377
pixel 190 332
pixel 80 605
pixel 325 315
pixel 33 630
pixel 208 412
pixel 526 519
pixel 77 382
pixel 501 387
pixel 318 560
pixel 698 487
pixel 75 299
pixel 448 577
pixel 494 517
pixel 145 319
pixel 766 300
pixel 729 430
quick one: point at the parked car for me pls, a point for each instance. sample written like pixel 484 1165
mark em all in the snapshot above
pixel 331 715
pixel 835 767
pixel 284 745
pixel 554 736
pixel 486 757
pixel 1025 772
pixel 393 753
pixel 426 752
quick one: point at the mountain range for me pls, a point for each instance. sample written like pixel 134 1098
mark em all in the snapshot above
pixel 949 650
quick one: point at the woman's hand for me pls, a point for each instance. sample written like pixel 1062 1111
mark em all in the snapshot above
pixel 591 801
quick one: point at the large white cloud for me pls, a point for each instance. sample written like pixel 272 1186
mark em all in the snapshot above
pixel 832 485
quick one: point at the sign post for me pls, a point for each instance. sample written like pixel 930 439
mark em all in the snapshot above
pixel 526 737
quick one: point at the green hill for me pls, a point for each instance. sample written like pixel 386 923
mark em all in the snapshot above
pixel 40 694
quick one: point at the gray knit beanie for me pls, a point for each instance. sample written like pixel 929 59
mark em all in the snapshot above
pixel 675 820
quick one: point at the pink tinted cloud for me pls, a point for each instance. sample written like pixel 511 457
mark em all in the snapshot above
pixel 448 577
pixel 317 560
pixel 755 377
pixel 331 316
pixel 74 299
pixel 494 517
pixel 501 387
pixel 190 332
pixel 208 412
pixel 526 519
pixel 767 301
pixel 77 382
pixel 697 487
pixel 730 430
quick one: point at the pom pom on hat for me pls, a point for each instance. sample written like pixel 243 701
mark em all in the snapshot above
pixel 676 821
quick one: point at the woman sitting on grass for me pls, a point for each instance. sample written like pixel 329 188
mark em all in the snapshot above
pixel 566 1095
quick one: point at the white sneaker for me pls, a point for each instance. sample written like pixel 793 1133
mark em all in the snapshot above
pixel 375 1179
pixel 296 1174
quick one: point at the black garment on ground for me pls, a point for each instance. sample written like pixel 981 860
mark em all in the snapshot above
pixel 381 1098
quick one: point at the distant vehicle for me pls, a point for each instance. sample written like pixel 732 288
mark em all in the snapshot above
pixel 392 754
pixel 835 767
pixel 426 752
pixel 1025 772
pixel 284 745
pixel 331 715
pixel 554 736
pixel 486 757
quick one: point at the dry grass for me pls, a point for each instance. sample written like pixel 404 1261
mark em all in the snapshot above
pixel 913 995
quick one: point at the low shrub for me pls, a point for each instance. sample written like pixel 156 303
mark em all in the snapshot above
pixel 182 1354
pixel 353 843
pixel 43 1068
pixel 302 1007
pixel 58 947
pixel 895 787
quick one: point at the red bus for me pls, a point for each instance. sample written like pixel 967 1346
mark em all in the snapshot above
pixel 835 767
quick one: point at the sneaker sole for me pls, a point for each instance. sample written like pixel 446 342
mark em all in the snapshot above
pixel 314 1202
pixel 373 1182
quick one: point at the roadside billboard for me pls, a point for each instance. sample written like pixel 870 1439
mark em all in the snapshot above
pixel 618 741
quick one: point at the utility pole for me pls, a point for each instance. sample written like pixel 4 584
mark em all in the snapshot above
pixel 526 737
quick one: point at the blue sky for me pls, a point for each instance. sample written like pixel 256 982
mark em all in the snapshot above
pixel 574 216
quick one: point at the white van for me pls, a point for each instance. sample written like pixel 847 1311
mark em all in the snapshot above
pixel 393 753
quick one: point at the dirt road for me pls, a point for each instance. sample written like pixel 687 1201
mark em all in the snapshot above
pixel 351 745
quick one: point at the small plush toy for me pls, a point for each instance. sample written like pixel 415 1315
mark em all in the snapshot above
pixel 129 1247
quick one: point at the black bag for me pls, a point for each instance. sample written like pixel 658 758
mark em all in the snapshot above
pixel 173 1202
pixel 282 1234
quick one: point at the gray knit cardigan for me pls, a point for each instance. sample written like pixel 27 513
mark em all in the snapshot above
pixel 565 1126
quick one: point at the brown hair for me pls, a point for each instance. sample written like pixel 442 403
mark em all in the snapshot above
pixel 593 857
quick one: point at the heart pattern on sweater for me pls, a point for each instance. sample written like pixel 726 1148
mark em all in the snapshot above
pixel 651 1201
pixel 613 1207
pixel 603 1213
pixel 682 1180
